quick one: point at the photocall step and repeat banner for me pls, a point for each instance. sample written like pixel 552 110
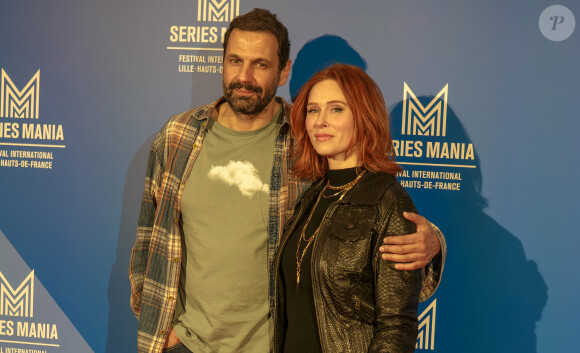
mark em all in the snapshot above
pixel 483 98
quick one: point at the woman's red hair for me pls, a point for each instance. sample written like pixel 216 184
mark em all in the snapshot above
pixel 371 136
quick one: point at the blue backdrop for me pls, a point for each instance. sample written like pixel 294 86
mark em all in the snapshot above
pixel 483 98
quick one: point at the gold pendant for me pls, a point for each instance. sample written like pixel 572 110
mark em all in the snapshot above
pixel 297 278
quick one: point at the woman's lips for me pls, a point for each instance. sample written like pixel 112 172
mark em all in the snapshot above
pixel 322 137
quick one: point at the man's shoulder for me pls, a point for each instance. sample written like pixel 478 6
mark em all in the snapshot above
pixel 191 118
pixel 183 124
pixel 196 114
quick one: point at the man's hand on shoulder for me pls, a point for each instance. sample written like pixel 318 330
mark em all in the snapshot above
pixel 412 251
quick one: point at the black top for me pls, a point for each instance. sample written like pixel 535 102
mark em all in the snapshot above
pixel 301 329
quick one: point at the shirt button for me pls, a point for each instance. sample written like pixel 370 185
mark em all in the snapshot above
pixel 162 332
pixel 175 259
pixel 170 298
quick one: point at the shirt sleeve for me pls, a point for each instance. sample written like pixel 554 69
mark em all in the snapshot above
pixel 140 252
pixel 433 272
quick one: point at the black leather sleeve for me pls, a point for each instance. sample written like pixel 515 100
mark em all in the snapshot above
pixel 396 292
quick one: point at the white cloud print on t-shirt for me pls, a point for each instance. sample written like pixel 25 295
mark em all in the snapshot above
pixel 242 175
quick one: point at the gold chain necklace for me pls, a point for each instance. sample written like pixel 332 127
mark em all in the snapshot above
pixel 300 256
pixel 332 195
pixel 341 189
pixel 347 185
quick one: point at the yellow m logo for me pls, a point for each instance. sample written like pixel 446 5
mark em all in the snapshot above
pixel 426 335
pixel 218 11
pixel 19 301
pixel 15 103
pixel 430 120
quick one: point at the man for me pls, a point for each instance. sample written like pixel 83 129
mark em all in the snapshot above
pixel 218 191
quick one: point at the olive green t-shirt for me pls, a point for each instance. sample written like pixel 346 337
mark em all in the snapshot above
pixel 223 291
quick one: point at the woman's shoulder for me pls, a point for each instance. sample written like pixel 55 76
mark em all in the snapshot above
pixel 375 184
pixel 380 179
pixel 379 187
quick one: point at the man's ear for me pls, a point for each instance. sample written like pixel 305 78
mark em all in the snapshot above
pixel 285 73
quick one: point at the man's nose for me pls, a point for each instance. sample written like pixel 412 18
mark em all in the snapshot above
pixel 246 73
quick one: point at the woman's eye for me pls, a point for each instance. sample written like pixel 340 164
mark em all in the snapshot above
pixel 337 109
pixel 312 111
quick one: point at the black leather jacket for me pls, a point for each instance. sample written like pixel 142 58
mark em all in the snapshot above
pixel 363 304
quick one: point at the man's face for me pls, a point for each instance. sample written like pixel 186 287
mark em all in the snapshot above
pixel 251 71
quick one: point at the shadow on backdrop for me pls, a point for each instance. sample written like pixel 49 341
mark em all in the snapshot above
pixel 491 295
pixel 122 326
pixel 318 54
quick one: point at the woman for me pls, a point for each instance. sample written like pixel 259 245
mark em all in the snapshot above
pixel 334 293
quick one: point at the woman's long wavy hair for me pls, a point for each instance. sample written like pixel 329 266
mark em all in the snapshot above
pixel 371 136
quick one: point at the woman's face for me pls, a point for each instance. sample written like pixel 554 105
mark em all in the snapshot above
pixel 330 124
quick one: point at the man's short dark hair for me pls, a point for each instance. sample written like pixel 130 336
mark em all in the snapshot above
pixel 262 20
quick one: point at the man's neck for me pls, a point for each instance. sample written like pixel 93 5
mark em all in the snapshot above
pixel 244 122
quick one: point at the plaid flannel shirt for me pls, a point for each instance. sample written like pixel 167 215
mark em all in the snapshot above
pixel 156 256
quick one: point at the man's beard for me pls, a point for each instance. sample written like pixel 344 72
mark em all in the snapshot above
pixel 250 105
